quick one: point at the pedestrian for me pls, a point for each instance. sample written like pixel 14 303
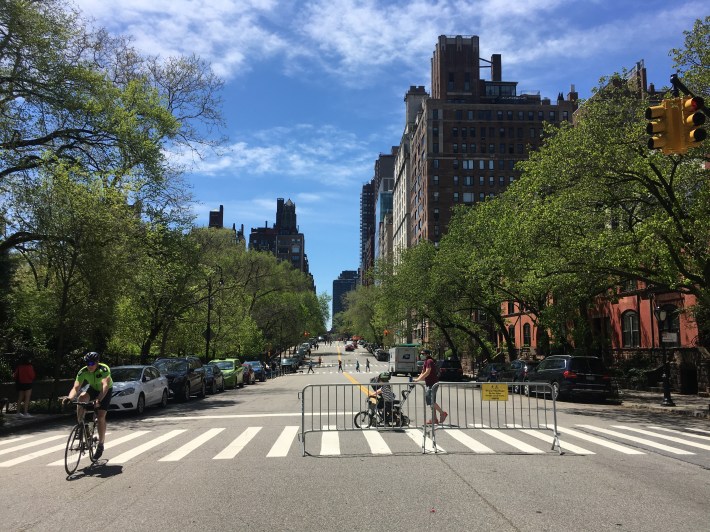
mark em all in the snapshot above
pixel 24 379
pixel 430 376
pixel 310 367
pixel 340 365
pixel 367 365
pixel 357 366
pixel 320 361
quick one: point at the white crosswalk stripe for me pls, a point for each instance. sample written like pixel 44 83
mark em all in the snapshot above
pixel 280 442
pixel 113 442
pixel 698 430
pixel 186 449
pixel 283 444
pixel 643 441
pixel 125 457
pixel 665 437
pixel 237 445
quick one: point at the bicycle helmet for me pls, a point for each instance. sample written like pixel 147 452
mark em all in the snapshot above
pixel 91 357
pixel 384 377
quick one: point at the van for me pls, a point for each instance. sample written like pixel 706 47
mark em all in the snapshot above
pixel 403 359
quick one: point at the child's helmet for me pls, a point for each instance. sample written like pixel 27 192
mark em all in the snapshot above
pixel 384 377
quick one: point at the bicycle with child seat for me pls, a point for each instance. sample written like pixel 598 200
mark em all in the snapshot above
pixel 376 416
pixel 83 438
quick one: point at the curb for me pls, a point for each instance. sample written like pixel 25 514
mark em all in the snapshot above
pixel 674 410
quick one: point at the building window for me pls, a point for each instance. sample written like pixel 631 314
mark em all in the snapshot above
pixel 468 197
pixel 435 114
pixel 499 115
pixel 481 196
pixel 491 148
pixel 436 163
pixel 630 329
pixel 532 132
pixel 511 179
pixel 491 164
pixel 531 115
pixel 501 132
pixel 436 147
pixel 672 325
pixel 455 132
pixel 473 147
pixel 511 335
pixel 468 181
pixel 459 114
pixel 464 132
pixel 565 115
pixel 553 116
pixel 472 131
pixel 436 215
pixel 501 180
pixel 526 334
pixel 470 115
pixel 511 307
pixel 463 147
pixel 481 180
pixel 456 197
pixel 450 85
pixel 509 115
pixel 521 115
pixel 455 164
pixel 436 197
pixel 491 180
pixel 521 149
pixel 435 179
pixel 456 180
pixel 540 115
pixel 455 148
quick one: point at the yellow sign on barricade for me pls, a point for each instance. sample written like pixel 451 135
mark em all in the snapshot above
pixel 491 391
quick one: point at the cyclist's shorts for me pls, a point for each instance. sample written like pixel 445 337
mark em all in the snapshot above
pixel 105 402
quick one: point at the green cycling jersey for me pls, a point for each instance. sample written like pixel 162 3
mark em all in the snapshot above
pixel 94 378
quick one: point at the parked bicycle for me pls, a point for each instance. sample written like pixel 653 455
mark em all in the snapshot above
pixel 83 438
pixel 378 415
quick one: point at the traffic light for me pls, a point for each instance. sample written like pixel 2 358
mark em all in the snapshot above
pixel 665 126
pixel 693 117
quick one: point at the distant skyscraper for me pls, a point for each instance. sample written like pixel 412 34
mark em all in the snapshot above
pixel 217 218
pixel 346 282
pixel 282 239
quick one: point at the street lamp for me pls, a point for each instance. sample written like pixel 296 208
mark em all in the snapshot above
pixel 661 316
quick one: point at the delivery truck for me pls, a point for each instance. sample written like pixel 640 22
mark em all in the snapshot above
pixel 403 359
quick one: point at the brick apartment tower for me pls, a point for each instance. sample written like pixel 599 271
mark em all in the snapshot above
pixel 461 145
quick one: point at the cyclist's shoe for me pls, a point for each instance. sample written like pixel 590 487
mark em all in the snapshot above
pixel 99 451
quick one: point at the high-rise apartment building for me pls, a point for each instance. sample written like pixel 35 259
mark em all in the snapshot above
pixel 346 281
pixel 282 239
pixel 367 229
pixel 460 145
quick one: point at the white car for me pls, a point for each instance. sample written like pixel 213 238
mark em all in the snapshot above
pixel 135 387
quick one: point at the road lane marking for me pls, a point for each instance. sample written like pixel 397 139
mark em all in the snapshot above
pixel 283 443
pixel 599 441
pixel 698 430
pixel 238 444
pixel 665 437
pixel 34 455
pixel 111 443
pixel 521 446
pixel 468 441
pixel 182 452
pixel 417 436
pixel 33 444
pixel 687 434
pixel 13 440
pixel 563 444
pixel 330 442
pixel 376 442
pixel 125 457
pixel 642 441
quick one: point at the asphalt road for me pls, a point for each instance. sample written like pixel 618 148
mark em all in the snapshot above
pixel 233 461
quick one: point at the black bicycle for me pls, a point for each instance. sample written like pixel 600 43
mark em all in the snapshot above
pixel 378 415
pixel 83 438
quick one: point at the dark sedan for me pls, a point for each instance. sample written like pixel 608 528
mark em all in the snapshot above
pixel 571 376
pixel 214 380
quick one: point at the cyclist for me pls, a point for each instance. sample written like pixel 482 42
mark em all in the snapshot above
pixel 98 376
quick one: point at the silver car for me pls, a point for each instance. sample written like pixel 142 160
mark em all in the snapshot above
pixel 135 387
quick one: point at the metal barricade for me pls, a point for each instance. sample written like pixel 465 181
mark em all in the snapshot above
pixel 495 405
pixel 346 407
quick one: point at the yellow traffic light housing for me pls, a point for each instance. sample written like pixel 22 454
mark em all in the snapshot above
pixel 693 117
pixel 665 126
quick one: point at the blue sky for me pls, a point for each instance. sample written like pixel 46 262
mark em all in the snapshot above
pixel 314 89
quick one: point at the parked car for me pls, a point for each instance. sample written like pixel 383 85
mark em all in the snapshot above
pixel 450 370
pixel 214 380
pixel 136 387
pixel 289 364
pixel 259 370
pixel 249 377
pixel 381 355
pixel 517 371
pixel 186 376
pixel 571 376
pixel 232 371
pixel 489 372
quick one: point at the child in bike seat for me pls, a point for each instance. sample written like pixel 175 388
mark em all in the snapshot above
pixel 384 394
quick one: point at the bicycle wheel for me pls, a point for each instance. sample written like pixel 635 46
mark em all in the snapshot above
pixel 91 441
pixel 75 446
pixel 363 420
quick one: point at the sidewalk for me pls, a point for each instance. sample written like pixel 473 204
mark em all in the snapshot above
pixel 687 405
